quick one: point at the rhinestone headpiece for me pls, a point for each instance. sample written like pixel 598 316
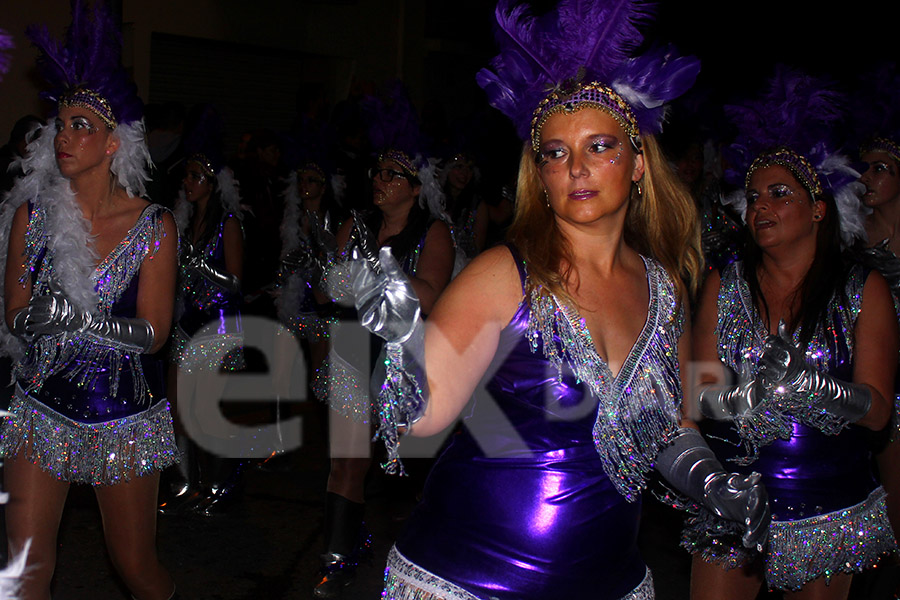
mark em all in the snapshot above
pixel 589 95
pixel 402 159
pixel 92 101
pixel 797 164
pixel 205 164
pixel 881 144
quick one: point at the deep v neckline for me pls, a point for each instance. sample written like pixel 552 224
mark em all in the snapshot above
pixel 121 246
pixel 579 325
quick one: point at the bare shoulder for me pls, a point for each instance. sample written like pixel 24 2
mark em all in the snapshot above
pixel 488 288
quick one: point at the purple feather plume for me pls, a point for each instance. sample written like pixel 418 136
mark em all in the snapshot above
pixel 88 57
pixel 797 111
pixel 392 121
pixel 6 44
pixel 588 39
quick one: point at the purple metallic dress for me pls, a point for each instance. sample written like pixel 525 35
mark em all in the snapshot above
pixel 208 333
pixel 828 511
pixel 92 411
pixel 538 496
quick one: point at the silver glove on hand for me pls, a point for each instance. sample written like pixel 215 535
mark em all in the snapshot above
pixel 724 402
pixel 19 328
pixel 385 300
pixel 693 469
pixel 54 313
pixel 783 370
pixel 222 278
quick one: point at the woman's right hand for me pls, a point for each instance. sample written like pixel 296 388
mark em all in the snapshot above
pixel 385 300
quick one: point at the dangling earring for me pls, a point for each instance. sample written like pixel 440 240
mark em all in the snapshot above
pixel 547 199
pixel 640 189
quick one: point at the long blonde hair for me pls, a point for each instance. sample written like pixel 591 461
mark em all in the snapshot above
pixel 662 223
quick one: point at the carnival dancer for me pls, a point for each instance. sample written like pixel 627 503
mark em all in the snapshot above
pixel 207 338
pixel 406 218
pixel 9 576
pixel 89 282
pixel 812 337
pixel 876 121
pixel 568 337
pixel 468 214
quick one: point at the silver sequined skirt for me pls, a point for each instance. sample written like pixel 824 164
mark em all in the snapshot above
pixel 404 580
pixel 95 453
pixel 844 541
pixel 207 352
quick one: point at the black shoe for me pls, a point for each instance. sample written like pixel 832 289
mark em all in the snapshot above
pixel 338 571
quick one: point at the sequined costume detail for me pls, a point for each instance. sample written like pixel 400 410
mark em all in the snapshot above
pixel 529 499
pixel 296 306
pixel 208 334
pixel 85 409
pixel 828 512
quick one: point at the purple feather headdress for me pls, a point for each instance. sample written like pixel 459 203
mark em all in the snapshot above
pixel 875 114
pixel 85 70
pixel 792 125
pixel 580 55
pixel 204 138
pixel 394 127
pixel 6 44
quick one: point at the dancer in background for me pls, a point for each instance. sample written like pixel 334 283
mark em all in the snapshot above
pixel 812 338
pixel 208 336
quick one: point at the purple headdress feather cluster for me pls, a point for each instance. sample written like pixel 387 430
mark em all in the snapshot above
pixel 793 125
pixel 6 44
pixel 205 136
pixel 88 58
pixel 393 123
pixel 582 41
pixel 873 106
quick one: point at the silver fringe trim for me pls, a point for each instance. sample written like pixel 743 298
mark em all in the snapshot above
pixel 638 410
pixel 404 580
pixel 95 453
pixel 845 541
pixel 207 353
pixel 343 388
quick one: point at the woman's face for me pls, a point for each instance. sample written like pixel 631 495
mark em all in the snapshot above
pixel 392 187
pixel 310 184
pixel 587 166
pixel 882 179
pixel 779 209
pixel 460 174
pixel 196 184
pixel 83 143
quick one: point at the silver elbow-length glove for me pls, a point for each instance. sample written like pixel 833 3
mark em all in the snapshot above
pixel 692 468
pixel 783 370
pixel 222 278
pixel 725 402
pixel 388 306
pixel 54 313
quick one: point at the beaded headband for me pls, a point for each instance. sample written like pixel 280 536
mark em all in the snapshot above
pixel 402 159
pixel 590 95
pixel 205 164
pixel 92 101
pixel 882 144
pixel 797 164
pixel 311 166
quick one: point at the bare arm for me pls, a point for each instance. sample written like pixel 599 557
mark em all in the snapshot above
pixel 875 353
pixel 233 240
pixel 435 266
pixel 462 334
pixel 156 287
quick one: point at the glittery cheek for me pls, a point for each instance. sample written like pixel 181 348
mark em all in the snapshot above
pixel 615 159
